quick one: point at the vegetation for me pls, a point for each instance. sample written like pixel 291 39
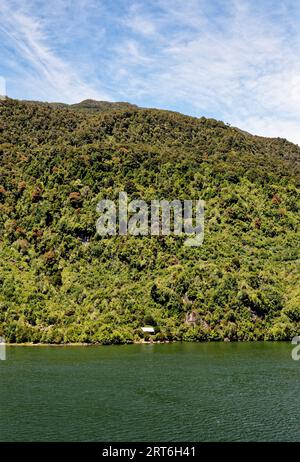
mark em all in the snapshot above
pixel 61 283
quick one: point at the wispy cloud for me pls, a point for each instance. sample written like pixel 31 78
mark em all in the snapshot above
pixel 49 74
pixel 235 60
pixel 139 22
pixel 238 62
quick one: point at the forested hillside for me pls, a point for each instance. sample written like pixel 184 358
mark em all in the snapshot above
pixel 61 283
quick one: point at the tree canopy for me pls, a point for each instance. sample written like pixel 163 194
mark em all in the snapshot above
pixel 61 283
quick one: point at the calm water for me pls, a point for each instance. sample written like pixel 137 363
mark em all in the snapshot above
pixel 187 392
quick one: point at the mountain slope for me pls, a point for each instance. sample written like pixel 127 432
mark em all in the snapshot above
pixel 62 283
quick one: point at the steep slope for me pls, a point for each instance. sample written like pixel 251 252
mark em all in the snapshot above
pixel 62 283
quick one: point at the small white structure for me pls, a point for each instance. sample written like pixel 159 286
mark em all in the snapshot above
pixel 148 330
pixel 2 349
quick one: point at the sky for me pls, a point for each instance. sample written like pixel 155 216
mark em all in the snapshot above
pixel 233 60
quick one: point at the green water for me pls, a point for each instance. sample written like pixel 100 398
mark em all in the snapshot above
pixel 183 392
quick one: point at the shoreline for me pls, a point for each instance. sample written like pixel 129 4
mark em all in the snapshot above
pixel 142 342
pixel 27 344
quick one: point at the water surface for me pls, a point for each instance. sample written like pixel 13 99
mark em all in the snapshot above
pixel 167 392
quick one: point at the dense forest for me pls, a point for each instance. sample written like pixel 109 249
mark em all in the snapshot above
pixel 60 282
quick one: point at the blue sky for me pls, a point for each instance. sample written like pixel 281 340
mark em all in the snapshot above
pixel 234 60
